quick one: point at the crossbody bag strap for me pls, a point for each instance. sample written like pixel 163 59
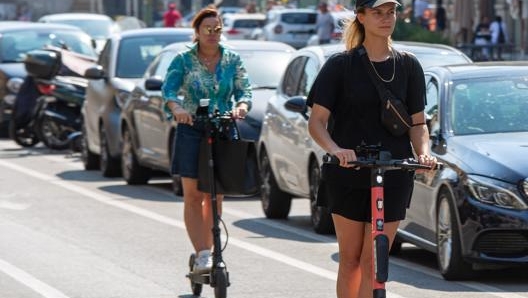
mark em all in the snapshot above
pixel 383 92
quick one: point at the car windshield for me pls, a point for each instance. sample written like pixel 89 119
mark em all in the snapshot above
pixel 299 18
pixel 142 50
pixel 439 58
pixel 14 45
pixel 490 105
pixel 97 29
pixel 254 61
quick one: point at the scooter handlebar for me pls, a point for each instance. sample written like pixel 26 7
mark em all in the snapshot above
pixel 391 164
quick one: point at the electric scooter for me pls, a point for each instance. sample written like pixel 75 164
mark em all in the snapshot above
pixel 370 156
pixel 216 126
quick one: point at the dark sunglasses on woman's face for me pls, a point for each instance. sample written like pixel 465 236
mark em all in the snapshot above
pixel 215 30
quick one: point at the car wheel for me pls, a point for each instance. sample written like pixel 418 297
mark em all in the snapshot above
pixel 132 171
pixel 109 165
pixel 275 202
pixel 89 159
pixel 449 249
pixel 321 219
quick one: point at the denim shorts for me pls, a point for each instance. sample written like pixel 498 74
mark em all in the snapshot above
pixel 186 150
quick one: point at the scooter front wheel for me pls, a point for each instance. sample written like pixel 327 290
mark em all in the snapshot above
pixel 221 282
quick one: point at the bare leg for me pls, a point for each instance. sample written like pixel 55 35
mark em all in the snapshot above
pixel 198 229
pixel 350 235
pixel 365 289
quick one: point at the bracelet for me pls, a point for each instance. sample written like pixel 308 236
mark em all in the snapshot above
pixel 175 108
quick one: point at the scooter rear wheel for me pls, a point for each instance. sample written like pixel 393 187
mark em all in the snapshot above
pixel 195 287
pixel 220 282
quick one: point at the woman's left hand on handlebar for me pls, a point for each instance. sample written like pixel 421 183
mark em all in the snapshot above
pixel 427 160
pixel 240 111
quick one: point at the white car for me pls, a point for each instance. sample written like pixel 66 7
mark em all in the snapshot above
pixel 241 25
pixel 289 25
pixel 288 157
pixel 340 20
pixel 98 26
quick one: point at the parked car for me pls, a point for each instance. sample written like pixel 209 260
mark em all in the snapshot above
pixel 289 159
pixel 340 20
pixel 17 38
pixel 241 25
pixel 121 65
pixel 147 134
pixel 475 210
pixel 98 26
pixel 289 25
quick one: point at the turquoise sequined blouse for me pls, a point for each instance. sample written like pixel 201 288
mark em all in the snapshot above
pixel 188 80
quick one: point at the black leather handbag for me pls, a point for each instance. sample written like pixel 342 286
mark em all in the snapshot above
pixel 235 167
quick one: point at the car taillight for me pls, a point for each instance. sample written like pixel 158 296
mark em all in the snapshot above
pixel 277 29
pixel 336 35
pixel 45 89
pixel 233 31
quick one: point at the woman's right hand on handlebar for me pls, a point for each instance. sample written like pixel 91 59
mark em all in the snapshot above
pixel 182 116
pixel 345 156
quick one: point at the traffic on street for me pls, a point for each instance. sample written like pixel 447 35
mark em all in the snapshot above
pixel 70 233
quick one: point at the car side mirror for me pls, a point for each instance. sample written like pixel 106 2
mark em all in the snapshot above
pixel 95 72
pixel 153 84
pixel 297 104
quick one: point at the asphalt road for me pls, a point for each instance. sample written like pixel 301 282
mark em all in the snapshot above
pixel 70 233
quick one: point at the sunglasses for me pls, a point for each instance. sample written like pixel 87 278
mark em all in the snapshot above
pixel 216 30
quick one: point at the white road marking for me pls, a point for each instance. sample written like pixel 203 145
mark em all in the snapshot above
pixel 237 242
pixel 30 281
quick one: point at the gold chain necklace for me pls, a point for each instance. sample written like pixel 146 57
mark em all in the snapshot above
pixel 208 60
pixel 393 69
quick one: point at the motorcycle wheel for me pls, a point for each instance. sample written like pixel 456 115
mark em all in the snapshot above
pixel 53 136
pixel 24 137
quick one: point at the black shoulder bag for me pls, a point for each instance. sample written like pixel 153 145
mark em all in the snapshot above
pixel 394 115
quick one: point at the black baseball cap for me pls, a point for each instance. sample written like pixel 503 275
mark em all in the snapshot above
pixel 374 3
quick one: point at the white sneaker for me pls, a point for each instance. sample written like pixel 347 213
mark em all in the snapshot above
pixel 203 262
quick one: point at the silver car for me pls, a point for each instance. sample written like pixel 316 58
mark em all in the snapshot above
pixel 289 159
pixel 147 134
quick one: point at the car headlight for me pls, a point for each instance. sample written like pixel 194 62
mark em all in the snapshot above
pixel 121 98
pixel 495 192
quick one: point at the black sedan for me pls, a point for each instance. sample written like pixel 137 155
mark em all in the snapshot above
pixel 147 134
pixel 474 210
pixel 17 38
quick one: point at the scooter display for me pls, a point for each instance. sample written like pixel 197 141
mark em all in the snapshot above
pixel 216 126
pixel 371 156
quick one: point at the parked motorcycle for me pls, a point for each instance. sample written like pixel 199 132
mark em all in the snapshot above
pixel 48 105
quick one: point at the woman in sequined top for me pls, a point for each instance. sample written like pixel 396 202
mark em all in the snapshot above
pixel 207 70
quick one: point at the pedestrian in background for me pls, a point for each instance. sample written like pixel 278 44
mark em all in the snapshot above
pixel 172 17
pixel 440 16
pixel 499 36
pixel 344 91
pixel 206 70
pixel 324 24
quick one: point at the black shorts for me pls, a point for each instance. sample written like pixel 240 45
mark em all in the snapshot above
pixel 354 203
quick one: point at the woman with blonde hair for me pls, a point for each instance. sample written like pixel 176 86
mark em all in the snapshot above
pixel 344 91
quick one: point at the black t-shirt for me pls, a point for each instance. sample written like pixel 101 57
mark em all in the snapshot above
pixel 344 87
